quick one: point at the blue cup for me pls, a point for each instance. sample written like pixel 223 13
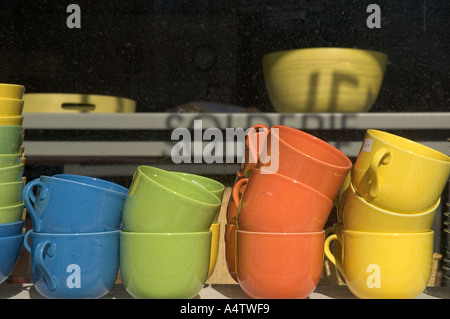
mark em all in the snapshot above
pixel 67 203
pixel 10 248
pixel 69 266
pixel 11 229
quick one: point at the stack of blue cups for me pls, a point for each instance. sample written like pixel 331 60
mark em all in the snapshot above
pixel 74 242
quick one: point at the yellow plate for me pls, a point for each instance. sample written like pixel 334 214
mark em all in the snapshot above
pixel 76 103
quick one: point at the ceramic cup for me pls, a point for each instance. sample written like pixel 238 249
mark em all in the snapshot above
pixel 164 265
pixel 11 213
pixel 11 193
pixel 384 265
pixel 279 204
pixel 11 159
pixel 398 174
pixel 9 254
pixel 68 203
pixel 210 184
pixel 230 249
pixel 360 215
pixel 305 158
pixel 11 91
pixel 279 265
pixel 10 107
pixel 160 201
pixel 11 138
pixel 75 265
pixel 12 173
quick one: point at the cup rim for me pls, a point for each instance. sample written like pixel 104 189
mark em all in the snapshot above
pixel 114 192
pixel 9 183
pixel 321 142
pixel 315 191
pixel 77 234
pixel 12 236
pixel 15 205
pixel 312 233
pixel 220 186
pixel 373 134
pixel 388 212
pixel 382 54
pixel 16 166
pixel 197 186
pixel 171 234
pixel 20 221
pixel 428 232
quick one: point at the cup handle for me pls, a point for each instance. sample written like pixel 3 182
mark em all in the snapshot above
pixel 29 199
pixel 45 248
pixel 330 255
pixel 237 189
pixel 25 241
pixel 381 157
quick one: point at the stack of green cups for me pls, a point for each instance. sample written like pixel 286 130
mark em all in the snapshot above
pixel 169 240
pixel 12 163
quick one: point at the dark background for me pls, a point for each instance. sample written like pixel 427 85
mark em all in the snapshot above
pixel 165 53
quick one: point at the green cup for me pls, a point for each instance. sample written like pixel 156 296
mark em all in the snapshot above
pixel 210 184
pixel 11 193
pixel 11 213
pixel 159 201
pixel 11 138
pixel 10 159
pixel 11 173
pixel 164 265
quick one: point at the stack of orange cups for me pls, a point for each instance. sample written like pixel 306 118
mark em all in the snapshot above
pixel 282 212
pixel 256 138
pixel 383 241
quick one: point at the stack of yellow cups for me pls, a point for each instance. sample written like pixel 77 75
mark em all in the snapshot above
pixel 384 239
pixel 12 164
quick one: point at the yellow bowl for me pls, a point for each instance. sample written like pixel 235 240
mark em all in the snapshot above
pixel 11 91
pixel 76 103
pixel 324 79
pixel 11 107
pixel 11 120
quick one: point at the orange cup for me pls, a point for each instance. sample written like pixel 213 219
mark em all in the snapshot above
pixel 230 249
pixel 279 265
pixel 305 158
pixel 279 204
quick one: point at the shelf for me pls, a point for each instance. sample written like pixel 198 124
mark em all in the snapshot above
pixel 212 291
pixel 169 121
pixel 118 147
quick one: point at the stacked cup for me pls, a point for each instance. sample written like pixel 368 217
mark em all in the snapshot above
pixel 165 244
pixel 282 212
pixel 384 241
pixel 75 237
pixel 254 143
pixel 12 164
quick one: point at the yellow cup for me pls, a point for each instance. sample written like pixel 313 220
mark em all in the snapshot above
pixel 360 215
pixel 11 91
pixel 215 234
pixel 11 120
pixel 384 265
pixel 11 107
pixel 398 174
